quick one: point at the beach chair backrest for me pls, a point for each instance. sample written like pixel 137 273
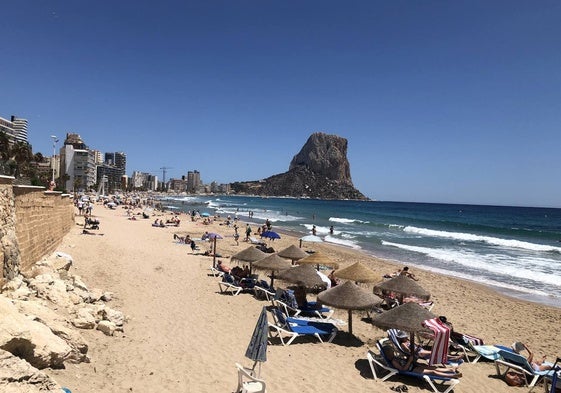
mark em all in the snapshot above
pixel 290 299
pixel 517 359
pixel 279 315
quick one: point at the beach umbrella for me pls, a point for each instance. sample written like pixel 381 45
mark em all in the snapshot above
pixel 272 235
pixel 211 236
pixel 273 263
pixel 310 239
pixel 403 286
pixel 408 317
pixel 293 253
pixel 348 296
pixel 318 258
pixel 250 255
pixel 305 274
pixel 357 272
pixel 205 214
pixel 257 348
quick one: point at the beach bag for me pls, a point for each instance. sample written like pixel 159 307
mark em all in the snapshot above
pixel 513 378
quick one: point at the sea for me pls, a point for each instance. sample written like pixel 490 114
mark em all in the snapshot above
pixel 514 250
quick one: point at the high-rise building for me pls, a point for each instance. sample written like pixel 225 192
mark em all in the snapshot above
pixel 20 129
pixel 193 181
pixel 77 164
pixel 121 161
pixel 109 159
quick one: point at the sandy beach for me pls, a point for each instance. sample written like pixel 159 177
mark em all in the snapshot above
pixel 182 335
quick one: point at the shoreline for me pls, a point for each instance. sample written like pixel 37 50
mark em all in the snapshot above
pixel 502 290
pixel 183 335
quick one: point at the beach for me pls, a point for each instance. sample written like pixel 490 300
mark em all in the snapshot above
pixel 183 335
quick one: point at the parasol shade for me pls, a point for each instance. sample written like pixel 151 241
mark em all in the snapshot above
pixel 273 263
pixel 293 253
pixel 408 317
pixel 403 286
pixel 348 296
pixel 250 254
pixel 306 274
pixel 357 272
pixel 318 258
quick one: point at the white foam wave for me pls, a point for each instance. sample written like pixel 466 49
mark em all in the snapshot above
pixel 521 268
pixel 342 242
pixel 469 237
pixel 486 281
pixel 346 220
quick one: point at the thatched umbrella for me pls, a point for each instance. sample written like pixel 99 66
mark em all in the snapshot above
pixel 403 286
pixel 302 273
pixel 250 254
pixel 408 317
pixel 348 296
pixel 318 258
pixel 357 272
pixel 293 253
pixel 273 263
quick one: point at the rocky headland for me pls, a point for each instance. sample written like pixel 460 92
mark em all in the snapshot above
pixel 320 170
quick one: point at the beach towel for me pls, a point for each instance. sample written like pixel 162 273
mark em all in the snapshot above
pixel 439 353
pixel 466 339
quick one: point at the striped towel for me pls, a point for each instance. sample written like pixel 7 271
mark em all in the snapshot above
pixel 439 353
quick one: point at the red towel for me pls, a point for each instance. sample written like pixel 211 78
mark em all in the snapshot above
pixel 439 353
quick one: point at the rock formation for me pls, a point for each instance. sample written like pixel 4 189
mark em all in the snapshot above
pixel 320 170
pixel 41 311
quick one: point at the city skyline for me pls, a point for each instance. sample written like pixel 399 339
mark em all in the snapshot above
pixel 440 102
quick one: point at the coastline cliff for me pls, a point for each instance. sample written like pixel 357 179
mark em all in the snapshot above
pixel 320 170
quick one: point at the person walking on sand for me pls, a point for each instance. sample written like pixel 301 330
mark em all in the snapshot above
pixel 247 232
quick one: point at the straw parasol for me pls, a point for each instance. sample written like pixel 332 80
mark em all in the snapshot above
pixel 303 273
pixel 318 258
pixel 408 317
pixel 250 254
pixel 293 253
pixel 348 296
pixel 357 272
pixel 403 286
pixel 273 263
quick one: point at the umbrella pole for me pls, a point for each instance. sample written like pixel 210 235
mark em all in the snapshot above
pixel 272 278
pixel 350 321
pixel 300 244
pixel 214 253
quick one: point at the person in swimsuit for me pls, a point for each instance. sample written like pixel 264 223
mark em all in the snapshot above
pixel 409 365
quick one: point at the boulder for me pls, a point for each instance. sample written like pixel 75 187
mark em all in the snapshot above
pixel 107 327
pixel 59 325
pixel 18 376
pixel 29 339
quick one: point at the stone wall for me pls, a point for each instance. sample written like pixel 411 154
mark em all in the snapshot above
pixel 33 222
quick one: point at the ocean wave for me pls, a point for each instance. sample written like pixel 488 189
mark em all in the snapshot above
pixel 346 220
pixel 341 242
pixel 469 237
pixel 539 270
pixel 487 281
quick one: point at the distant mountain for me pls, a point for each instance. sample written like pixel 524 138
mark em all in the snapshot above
pixel 320 170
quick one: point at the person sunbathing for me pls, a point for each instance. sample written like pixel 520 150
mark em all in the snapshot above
pixel 422 353
pixel 537 364
pixel 408 364
pixel 222 267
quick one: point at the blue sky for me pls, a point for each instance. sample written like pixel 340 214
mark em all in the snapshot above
pixel 441 101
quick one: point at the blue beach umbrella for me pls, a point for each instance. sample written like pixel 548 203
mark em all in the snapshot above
pixel 257 348
pixel 270 235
